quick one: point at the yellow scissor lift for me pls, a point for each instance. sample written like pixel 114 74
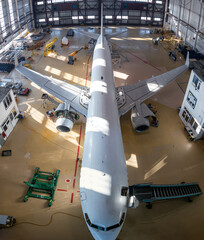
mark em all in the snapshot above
pixel 49 47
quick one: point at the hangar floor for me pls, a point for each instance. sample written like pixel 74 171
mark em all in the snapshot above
pixel 161 155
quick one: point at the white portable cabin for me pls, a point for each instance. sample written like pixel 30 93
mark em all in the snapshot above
pixel 192 109
pixel 9 112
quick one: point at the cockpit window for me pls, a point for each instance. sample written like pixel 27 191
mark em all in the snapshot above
pixel 87 219
pixel 102 228
pixel 112 227
pixel 93 225
pixel 122 219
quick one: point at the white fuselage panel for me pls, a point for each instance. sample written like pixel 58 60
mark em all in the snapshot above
pixel 103 172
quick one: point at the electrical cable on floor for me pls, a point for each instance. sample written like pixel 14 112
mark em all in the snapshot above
pixel 50 221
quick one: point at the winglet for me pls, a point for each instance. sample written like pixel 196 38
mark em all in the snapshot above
pixel 187 60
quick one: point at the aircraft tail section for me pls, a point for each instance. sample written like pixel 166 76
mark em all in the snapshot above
pixel 101 21
pixel 187 60
pixel 88 34
pixel 95 35
pixel 115 34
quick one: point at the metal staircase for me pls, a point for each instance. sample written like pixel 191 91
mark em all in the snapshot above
pixel 151 192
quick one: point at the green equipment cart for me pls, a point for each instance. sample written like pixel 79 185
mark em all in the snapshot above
pixel 42 182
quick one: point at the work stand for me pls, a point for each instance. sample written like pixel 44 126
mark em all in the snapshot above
pixel 149 193
pixel 44 183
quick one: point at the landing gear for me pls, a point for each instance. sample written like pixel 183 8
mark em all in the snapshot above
pixel 189 199
pixel 172 54
pixel 155 122
pixel 149 205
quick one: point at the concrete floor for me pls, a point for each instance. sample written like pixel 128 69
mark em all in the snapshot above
pixel 161 155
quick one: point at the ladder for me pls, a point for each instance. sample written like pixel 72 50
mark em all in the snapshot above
pixel 151 192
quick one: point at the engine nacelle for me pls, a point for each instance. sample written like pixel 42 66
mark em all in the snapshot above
pixel 139 115
pixel 139 123
pixel 65 118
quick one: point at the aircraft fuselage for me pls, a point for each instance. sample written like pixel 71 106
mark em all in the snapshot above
pixel 103 172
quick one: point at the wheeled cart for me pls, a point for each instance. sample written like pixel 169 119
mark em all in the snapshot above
pixel 42 182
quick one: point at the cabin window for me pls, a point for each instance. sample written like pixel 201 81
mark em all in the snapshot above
pixel 196 82
pixel 192 100
pixel 7 101
pixel 195 125
pixel 192 121
pixel 186 115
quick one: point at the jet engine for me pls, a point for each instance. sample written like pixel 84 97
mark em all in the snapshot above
pixel 65 117
pixel 139 117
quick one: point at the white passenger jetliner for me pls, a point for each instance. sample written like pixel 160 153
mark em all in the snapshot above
pixel 103 180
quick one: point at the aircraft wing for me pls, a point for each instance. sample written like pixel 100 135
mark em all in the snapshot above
pixel 89 34
pixel 63 91
pixel 115 34
pixel 128 95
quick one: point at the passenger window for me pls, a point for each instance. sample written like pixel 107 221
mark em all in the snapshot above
pixel 195 126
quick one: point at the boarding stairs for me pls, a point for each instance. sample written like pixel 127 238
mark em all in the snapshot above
pixel 151 192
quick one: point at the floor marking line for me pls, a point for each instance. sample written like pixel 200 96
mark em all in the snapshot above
pixel 62 190
pixel 87 70
pixel 72 196
pixel 78 152
pixel 74 183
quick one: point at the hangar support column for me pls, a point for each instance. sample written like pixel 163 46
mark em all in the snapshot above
pixel 198 28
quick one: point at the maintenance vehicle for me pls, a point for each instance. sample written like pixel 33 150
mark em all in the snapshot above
pixel 70 33
pixel 6 221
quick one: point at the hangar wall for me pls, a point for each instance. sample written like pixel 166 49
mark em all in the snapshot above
pixel 87 12
pixel 15 17
pixel 186 19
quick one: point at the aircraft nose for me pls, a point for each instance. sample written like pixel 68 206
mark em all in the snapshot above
pixel 100 235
